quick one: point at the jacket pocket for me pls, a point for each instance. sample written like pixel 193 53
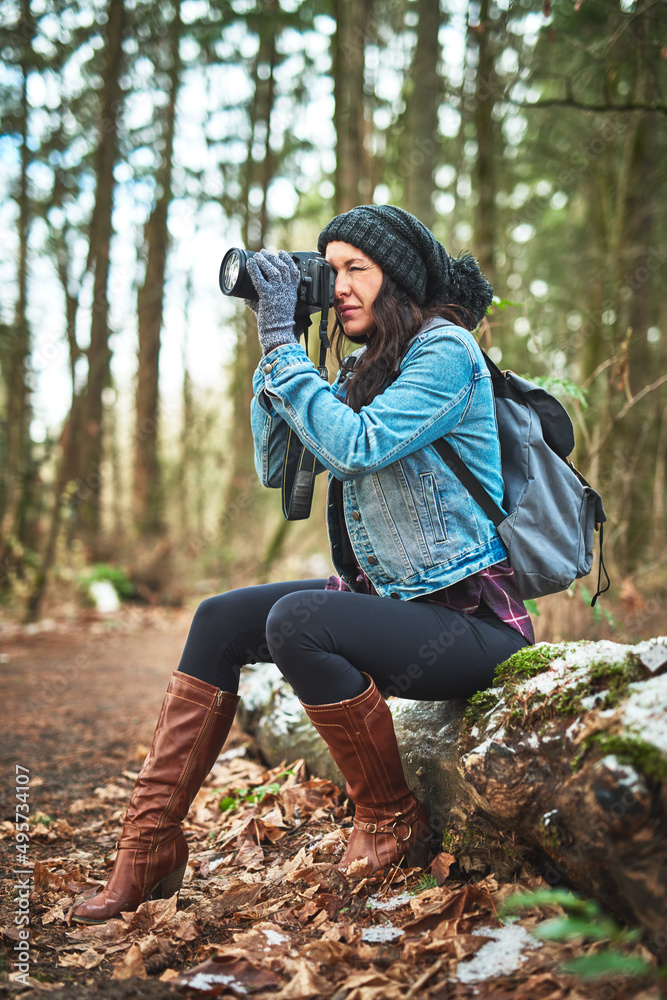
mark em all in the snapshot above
pixel 433 508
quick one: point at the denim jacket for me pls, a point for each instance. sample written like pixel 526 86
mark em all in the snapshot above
pixel 413 527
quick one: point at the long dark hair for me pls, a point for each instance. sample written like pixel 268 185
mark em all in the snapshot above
pixel 397 318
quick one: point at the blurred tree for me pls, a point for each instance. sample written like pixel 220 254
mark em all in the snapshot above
pixel 148 505
pixel 419 145
pixel 17 468
pixel 590 139
pixel 89 446
pixel 352 180
pixel 480 39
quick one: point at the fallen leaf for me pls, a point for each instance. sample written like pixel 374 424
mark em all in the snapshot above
pixel 333 842
pixel 359 868
pixel 306 984
pixel 227 973
pixel 169 975
pixel 131 965
pixel 440 866
pixel 264 939
pixel 322 876
pixel 250 856
pixel 89 959
pixel 435 905
pixel 305 798
pixel 44 879
pixel 235 898
pixel 55 913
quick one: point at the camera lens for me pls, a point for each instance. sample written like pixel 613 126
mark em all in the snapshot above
pixel 230 273
pixel 234 279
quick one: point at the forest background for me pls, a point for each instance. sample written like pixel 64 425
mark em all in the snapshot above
pixel 140 140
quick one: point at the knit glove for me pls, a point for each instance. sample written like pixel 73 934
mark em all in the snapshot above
pixel 276 280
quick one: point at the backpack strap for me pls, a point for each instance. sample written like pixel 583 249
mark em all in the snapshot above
pixel 468 479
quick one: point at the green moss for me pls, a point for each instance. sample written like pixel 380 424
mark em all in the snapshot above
pixel 459 841
pixel 528 662
pixel 447 841
pixel 481 703
pixel 643 756
pixel 617 678
pixel 610 680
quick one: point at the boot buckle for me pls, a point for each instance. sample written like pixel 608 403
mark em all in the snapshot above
pixel 400 820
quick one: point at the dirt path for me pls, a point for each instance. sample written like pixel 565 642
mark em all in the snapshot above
pixel 79 704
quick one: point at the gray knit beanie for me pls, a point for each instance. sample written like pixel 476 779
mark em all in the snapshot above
pixel 409 253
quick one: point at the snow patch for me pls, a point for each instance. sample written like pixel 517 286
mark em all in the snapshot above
pixel 380 903
pixel 206 981
pixel 274 937
pixel 498 957
pixel 383 934
pixel 574 664
pixel 645 711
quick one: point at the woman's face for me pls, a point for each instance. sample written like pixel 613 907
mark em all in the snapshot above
pixel 358 280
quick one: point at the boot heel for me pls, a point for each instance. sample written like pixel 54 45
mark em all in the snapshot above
pixel 419 854
pixel 169 885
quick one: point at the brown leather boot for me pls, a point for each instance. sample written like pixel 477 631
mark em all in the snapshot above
pixel 152 852
pixel 390 822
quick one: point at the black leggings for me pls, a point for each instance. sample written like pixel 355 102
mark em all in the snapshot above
pixel 321 640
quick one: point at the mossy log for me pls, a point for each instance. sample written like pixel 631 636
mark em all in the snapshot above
pixel 559 769
pixel 567 756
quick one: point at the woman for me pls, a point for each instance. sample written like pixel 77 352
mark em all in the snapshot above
pixel 425 604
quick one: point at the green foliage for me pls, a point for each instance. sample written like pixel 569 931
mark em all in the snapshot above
pixel 531 607
pixel 43 819
pixel 583 920
pixel 501 304
pixel 251 796
pixel 560 387
pixel 116 576
pixel 425 882
pixel 608 963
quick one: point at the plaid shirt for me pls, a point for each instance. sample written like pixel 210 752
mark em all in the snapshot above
pixel 495 586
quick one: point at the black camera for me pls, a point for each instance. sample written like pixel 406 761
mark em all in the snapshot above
pixel 316 285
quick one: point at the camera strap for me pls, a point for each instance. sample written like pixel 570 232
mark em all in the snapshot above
pixel 298 479
pixel 299 465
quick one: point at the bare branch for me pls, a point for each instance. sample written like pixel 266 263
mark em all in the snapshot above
pixel 567 102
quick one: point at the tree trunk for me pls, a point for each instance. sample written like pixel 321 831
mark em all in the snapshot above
pixel 16 471
pixel 484 173
pixel 351 177
pixel 420 135
pixel 90 445
pixel 147 495
pixel 238 521
pixel 572 763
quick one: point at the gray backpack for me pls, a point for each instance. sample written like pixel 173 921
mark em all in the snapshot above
pixel 552 511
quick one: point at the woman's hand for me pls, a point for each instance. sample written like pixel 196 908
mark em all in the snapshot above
pixel 276 279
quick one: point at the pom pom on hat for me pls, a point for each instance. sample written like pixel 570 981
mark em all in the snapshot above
pixel 409 253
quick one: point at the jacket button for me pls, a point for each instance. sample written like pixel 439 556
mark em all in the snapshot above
pixel 372 561
pixel 396 596
pixel 268 368
pixel 356 515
